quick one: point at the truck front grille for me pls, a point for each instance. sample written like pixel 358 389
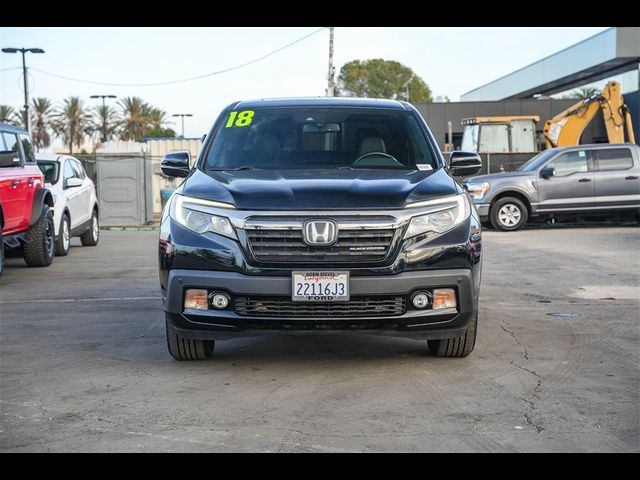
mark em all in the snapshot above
pixel 370 245
pixel 372 306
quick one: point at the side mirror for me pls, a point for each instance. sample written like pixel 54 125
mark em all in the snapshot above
pixel 73 182
pixel 9 159
pixel 175 164
pixel 462 164
pixel 547 172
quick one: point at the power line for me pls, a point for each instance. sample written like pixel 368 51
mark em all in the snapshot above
pixel 198 77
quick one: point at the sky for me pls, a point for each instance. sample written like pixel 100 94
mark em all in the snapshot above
pixel 451 60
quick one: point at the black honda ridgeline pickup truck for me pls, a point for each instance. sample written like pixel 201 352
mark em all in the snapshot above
pixel 320 214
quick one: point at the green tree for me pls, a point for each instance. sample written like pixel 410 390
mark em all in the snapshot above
pixel 158 122
pixel 160 132
pixel 104 122
pixel 71 122
pixel 136 120
pixel 41 112
pixel 378 78
pixel 157 118
pixel 10 115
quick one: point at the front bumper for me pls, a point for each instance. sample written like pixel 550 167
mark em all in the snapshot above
pixel 226 324
pixel 483 210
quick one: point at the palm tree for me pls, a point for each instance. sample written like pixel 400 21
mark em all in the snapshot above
pixel 105 122
pixel 41 110
pixel 158 118
pixel 71 122
pixel 136 118
pixel 9 115
pixel 582 93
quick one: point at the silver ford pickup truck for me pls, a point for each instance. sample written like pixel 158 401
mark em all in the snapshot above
pixel 599 178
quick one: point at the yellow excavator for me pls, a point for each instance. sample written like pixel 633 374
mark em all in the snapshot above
pixel 515 134
pixel 565 128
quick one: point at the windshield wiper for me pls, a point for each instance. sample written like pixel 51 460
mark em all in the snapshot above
pixel 243 167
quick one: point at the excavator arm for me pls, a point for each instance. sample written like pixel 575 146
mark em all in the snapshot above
pixel 566 128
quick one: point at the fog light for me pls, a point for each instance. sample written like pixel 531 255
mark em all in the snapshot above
pixel 219 300
pixel 420 300
pixel 196 299
pixel 444 298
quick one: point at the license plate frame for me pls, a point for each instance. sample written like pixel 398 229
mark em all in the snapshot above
pixel 318 278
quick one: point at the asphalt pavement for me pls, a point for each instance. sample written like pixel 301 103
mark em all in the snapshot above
pixel 84 365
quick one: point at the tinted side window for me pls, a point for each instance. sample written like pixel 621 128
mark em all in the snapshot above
pixel 27 148
pixel 614 159
pixel 10 149
pixel 570 162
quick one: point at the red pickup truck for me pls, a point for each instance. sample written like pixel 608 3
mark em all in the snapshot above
pixel 26 207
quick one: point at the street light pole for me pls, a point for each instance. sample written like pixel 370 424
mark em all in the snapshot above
pixel 182 115
pixel 24 74
pixel 104 117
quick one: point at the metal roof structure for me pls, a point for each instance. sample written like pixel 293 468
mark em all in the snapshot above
pixel 613 51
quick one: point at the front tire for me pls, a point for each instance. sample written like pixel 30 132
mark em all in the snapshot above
pixel 182 348
pixel 509 214
pixel 64 238
pixel 40 249
pixel 91 237
pixel 457 346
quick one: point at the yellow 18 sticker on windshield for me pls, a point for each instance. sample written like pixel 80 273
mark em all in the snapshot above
pixel 240 119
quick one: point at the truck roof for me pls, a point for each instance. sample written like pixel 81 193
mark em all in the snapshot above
pixel 323 102
pixel 593 146
pixel 7 127
pixel 499 119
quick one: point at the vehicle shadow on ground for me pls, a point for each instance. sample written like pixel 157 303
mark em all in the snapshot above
pixel 298 348
pixel 569 224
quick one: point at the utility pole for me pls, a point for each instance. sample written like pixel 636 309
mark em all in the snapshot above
pixel 104 116
pixel 331 86
pixel 24 74
pixel 406 87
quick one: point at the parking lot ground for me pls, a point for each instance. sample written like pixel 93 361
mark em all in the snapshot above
pixel 84 366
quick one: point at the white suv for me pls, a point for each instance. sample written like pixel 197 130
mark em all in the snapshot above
pixel 75 201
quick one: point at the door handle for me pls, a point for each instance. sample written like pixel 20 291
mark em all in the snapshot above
pixel 631 177
pixel 30 182
pixel 582 180
pixel 15 183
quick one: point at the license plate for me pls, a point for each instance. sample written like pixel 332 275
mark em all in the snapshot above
pixel 320 286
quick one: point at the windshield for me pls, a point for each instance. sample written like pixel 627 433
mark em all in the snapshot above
pixel 535 162
pixel 308 138
pixel 470 138
pixel 50 170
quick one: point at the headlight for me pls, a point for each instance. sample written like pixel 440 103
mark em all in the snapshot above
pixel 477 189
pixel 193 214
pixel 447 213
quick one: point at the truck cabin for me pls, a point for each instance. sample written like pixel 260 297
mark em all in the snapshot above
pixel 500 134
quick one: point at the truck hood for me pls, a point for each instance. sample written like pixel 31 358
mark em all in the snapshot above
pixel 497 176
pixel 318 189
